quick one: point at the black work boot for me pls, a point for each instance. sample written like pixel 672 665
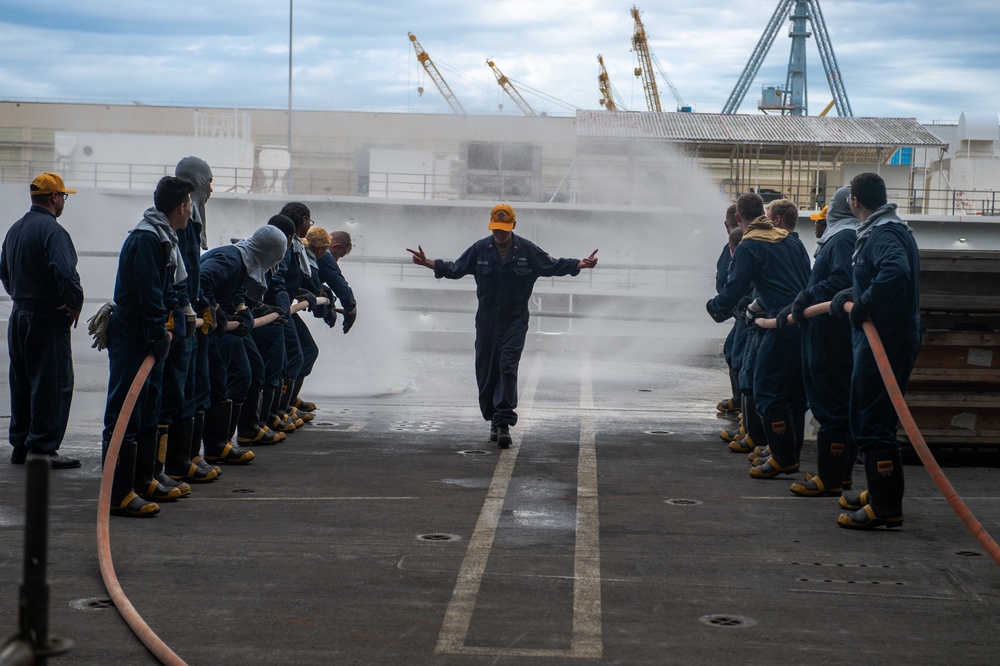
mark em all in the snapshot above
pixel 249 430
pixel 145 483
pixel 780 433
pixel 493 433
pixel 830 447
pixel 753 424
pixel 124 501
pixel 304 410
pixel 850 458
pixel 162 445
pixel 220 422
pixel 884 472
pixel 178 464
pixel 197 434
pixel 503 436
pixel 281 420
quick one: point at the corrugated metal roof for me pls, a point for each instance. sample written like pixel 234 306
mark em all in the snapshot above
pixel 755 129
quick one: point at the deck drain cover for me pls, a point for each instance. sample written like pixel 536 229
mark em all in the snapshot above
pixel 659 432
pixel 473 452
pixel 437 536
pixel 418 426
pixel 968 553
pixel 645 390
pixel 677 501
pixel 92 603
pixel 728 621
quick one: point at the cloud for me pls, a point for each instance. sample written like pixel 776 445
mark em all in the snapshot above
pixel 917 58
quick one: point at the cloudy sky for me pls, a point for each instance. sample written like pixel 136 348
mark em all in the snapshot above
pixel 926 59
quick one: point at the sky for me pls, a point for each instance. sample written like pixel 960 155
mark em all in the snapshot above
pixel 922 59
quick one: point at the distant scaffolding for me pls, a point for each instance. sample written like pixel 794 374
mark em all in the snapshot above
pixel 224 125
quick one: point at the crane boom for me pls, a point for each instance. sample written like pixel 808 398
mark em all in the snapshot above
pixel 645 68
pixel 604 83
pixel 511 90
pixel 432 71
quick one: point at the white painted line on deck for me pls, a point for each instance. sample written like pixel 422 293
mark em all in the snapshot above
pixel 587 640
pixel 587 570
pixel 463 598
pixel 297 499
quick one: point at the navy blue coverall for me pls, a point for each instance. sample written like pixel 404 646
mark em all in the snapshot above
pixel 144 297
pixel 38 270
pixel 886 280
pixel 331 275
pixel 503 288
pixel 826 341
pixel 222 276
pixel 777 271
pixel 180 368
pixel 283 287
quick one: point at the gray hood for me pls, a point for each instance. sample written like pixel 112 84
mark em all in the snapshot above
pixel 198 172
pixel 261 252
pixel 885 214
pixel 155 221
pixel 838 216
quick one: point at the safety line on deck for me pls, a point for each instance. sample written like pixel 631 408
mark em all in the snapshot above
pixel 586 641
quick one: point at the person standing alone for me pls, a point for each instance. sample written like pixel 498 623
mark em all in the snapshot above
pixel 505 267
pixel 38 270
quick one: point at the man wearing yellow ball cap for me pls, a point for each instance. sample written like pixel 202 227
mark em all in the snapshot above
pixel 505 267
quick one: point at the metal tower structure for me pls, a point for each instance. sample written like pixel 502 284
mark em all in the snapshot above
pixel 509 88
pixel 424 59
pixel 604 83
pixel 793 100
pixel 645 68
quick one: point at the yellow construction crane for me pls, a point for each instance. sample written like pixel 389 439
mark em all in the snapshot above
pixel 435 75
pixel 604 83
pixel 647 60
pixel 511 90
pixel 645 68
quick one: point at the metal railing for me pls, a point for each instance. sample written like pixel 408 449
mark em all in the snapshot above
pixel 607 186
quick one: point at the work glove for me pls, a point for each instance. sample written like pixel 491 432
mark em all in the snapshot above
pixel 158 347
pixel 330 317
pixel 781 320
pixel 244 319
pixel 715 315
pixel 349 318
pixel 221 321
pixel 837 302
pixel 799 305
pixel 97 326
pixel 177 324
pixel 306 295
pixel 858 315
pixel 320 311
pixel 755 310
pixel 263 309
pixel 739 312
pixel 207 319
pixel 285 303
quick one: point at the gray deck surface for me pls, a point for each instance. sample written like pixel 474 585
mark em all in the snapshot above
pixel 623 533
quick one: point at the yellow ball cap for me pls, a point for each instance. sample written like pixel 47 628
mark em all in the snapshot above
pixel 820 215
pixel 502 217
pixel 49 183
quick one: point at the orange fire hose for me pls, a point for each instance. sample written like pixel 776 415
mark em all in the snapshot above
pixel 124 606
pixel 152 642
pixel 910 426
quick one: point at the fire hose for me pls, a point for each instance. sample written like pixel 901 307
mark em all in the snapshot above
pixel 910 426
pixel 153 643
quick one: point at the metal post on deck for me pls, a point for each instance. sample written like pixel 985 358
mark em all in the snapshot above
pixel 32 644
